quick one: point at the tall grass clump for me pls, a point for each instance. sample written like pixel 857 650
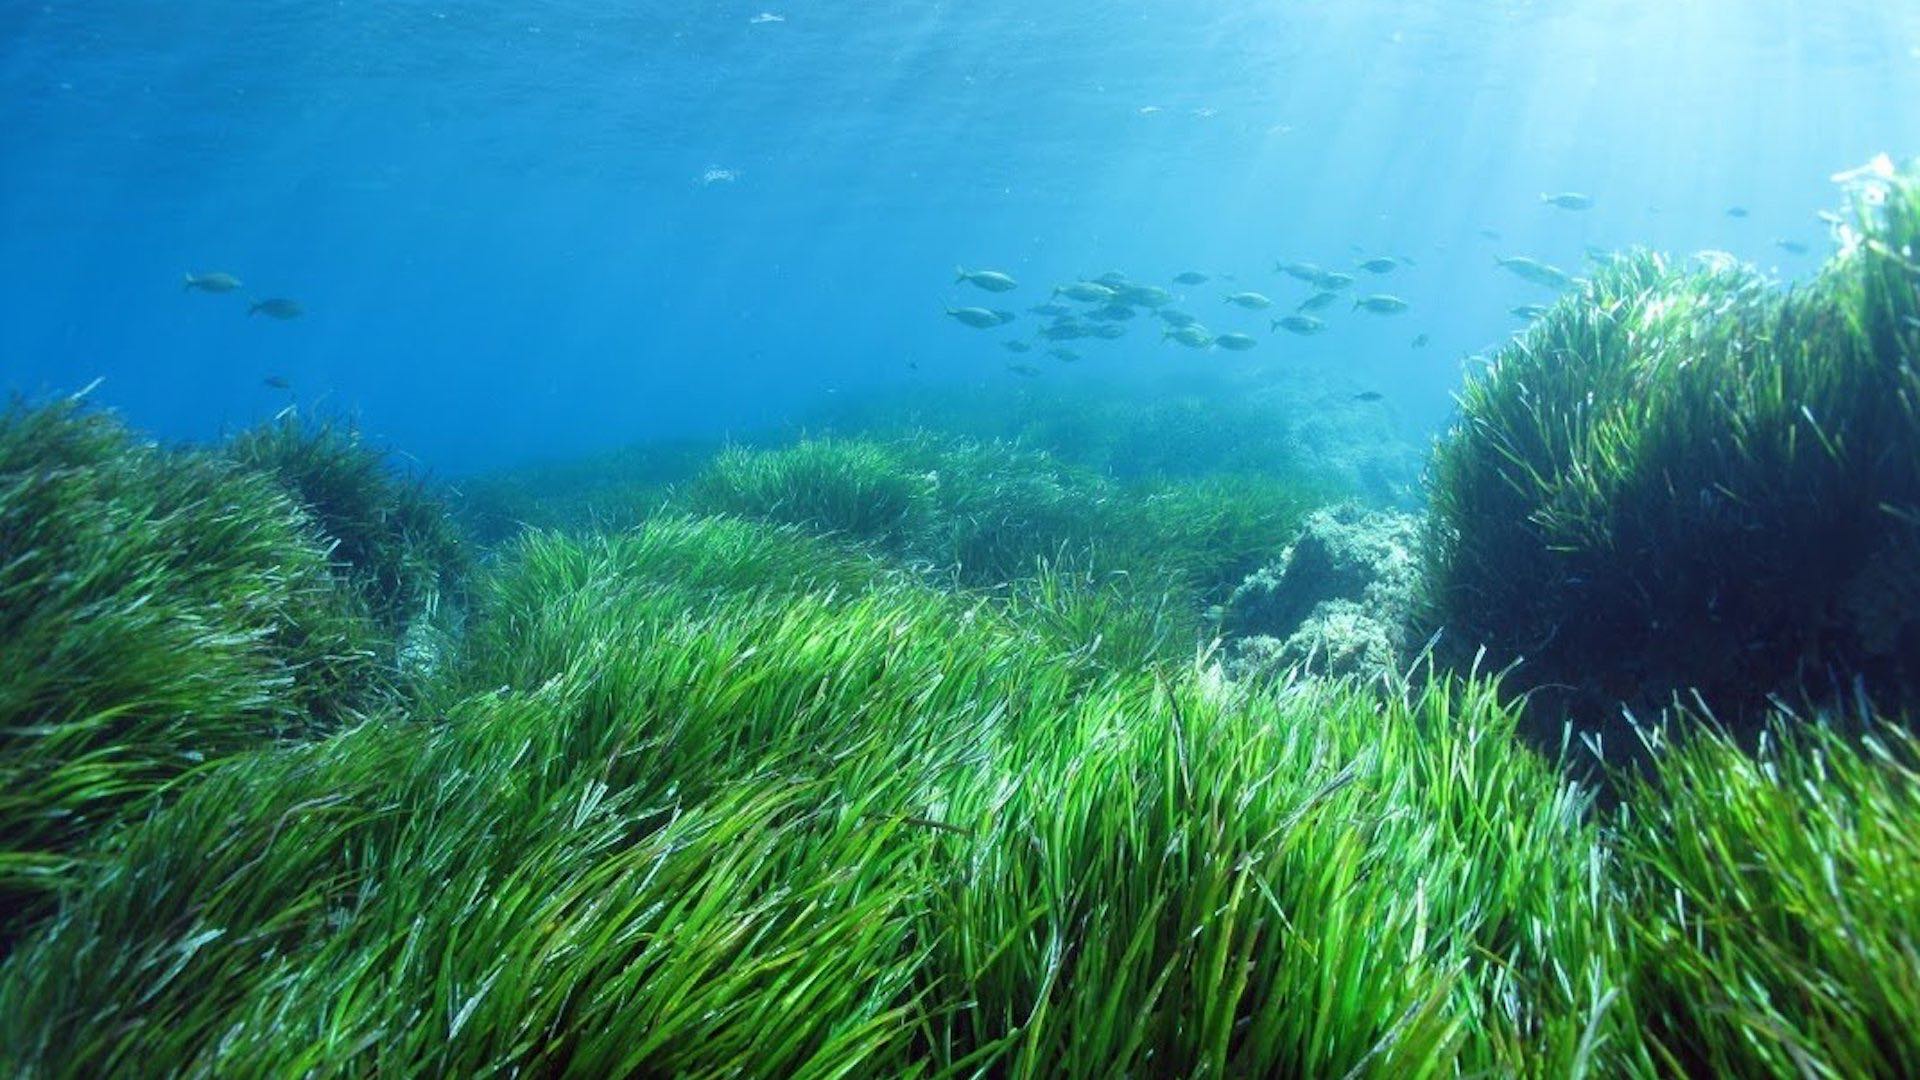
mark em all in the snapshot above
pixel 727 799
pixel 1683 479
pixel 1776 913
pixel 394 540
pixel 987 514
pixel 848 488
pixel 159 610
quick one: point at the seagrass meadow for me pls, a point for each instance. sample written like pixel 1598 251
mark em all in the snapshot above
pixel 909 752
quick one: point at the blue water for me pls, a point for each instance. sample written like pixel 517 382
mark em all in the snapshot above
pixel 523 230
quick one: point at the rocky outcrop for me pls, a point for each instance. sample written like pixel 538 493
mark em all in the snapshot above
pixel 1338 602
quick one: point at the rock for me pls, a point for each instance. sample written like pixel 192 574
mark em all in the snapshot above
pixel 1337 603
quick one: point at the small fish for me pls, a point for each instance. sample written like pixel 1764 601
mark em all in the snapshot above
pixel 1381 304
pixel 1151 296
pixel 1016 346
pixel 1090 292
pixel 1112 279
pixel 1333 281
pixel 1380 266
pixel 1596 253
pixel 1420 341
pixel 1791 247
pixel 1065 331
pixel 1736 211
pixel 276 382
pixel 990 280
pixel 1491 234
pixel 1368 395
pixel 1064 355
pixel 1175 317
pixel 1109 331
pixel 913 365
pixel 1318 300
pixel 276 307
pixel 978 318
pixel 1252 301
pixel 1193 337
pixel 1236 342
pixel 1304 271
pixel 1529 311
pixel 1111 313
pixel 1026 371
pixel 1569 200
pixel 1535 271
pixel 765 18
pixel 1299 324
pixel 1190 277
pixel 1051 310
pixel 214 282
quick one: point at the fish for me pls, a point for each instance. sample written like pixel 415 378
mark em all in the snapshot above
pixel 1569 200
pixel 1108 331
pixel 1380 265
pixel 1112 279
pixel 1175 317
pixel 1252 301
pixel 1190 277
pixel 1332 281
pixel 1151 296
pixel 1420 341
pixel 1236 342
pixel 1318 300
pixel 1368 395
pixel 978 318
pixel 213 282
pixel 1596 253
pixel 1016 346
pixel 766 18
pixel 1111 313
pixel 1304 271
pixel 1299 324
pixel 1491 234
pixel 1791 247
pixel 276 382
pixel 1193 337
pixel 1381 304
pixel 1091 292
pixel 276 307
pixel 1026 371
pixel 990 280
pixel 1530 311
pixel 1535 271
pixel 1736 211
pixel 1064 355
pixel 1065 331
pixel 1050 310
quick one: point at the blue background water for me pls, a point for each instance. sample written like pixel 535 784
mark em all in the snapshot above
pixel 496 216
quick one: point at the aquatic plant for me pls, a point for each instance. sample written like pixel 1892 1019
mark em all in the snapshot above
pixel 1776 900
pixel 855 489
pixel 988 513
pixel 162 610
pixel 392 537
pixel 1681 479
pixel 705 818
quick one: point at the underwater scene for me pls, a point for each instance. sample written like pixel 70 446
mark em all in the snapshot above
pixel 1263 538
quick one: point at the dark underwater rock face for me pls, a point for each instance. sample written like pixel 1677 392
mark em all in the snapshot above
pixel 1337 603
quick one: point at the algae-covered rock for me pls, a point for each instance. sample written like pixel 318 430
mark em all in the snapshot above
pixel 1337 602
